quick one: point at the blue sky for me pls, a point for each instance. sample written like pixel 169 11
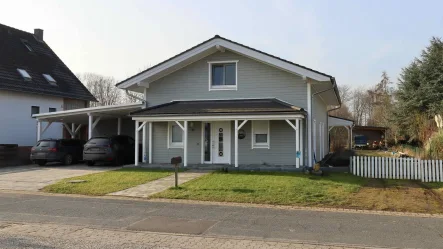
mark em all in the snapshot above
pixel 351 40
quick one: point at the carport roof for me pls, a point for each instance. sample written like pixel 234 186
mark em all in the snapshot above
pixel 80 116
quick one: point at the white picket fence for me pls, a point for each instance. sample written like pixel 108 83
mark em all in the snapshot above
pixel 397 168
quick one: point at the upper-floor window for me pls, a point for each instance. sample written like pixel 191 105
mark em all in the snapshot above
pixel 223 75
pixel 35 110
pixel 24 74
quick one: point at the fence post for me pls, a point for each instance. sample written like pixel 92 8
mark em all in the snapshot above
pixel 434 166
pixel 441 171
pixel 354 165
pixel 358 165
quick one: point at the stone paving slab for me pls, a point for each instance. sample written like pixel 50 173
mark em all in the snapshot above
pixel 33 178
pixel 68 236
pixel 150 188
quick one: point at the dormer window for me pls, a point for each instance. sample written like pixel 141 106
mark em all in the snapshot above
pixel 222 75
pixel 24 74
pixel 27 45
pixel 50 80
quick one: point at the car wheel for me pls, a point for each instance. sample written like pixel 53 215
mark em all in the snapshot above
pixel 41 162
pixel 67 160
pixel 90 163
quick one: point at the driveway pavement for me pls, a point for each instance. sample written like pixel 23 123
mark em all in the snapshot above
pixel 33 178
pixel 217 221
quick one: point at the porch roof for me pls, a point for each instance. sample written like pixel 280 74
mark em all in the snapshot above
pixel 219 108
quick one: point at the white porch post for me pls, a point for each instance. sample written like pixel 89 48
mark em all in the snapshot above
pixel 309 128
pixel 302 144
pixel 39 129
pixel 90 121
pixel 73 130
pixel 136 143
pixel 236 143
pixel 119 126
pixel 297 142
pixel 185 144
pixel 144 144
pixel 150 142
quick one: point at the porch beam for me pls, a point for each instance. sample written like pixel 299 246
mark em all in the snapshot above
pixel 291 124
pixel 68 129
pixel 331 127
pixel 297 142
pixel 241 125
pixel 46 127
pixel 150 142
pixel 142 125
pixel 96 122
pixel 185 144
pixel 236 141
pixel 180 125
pixel 136 143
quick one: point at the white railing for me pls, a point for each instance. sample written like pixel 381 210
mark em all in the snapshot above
pixel 397 168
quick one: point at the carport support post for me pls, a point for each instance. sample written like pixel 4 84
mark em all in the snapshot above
pixel 90 120
pixel 144 144
pixel 136 143
pixel 73 130
pixel 39 129
pixel 119 126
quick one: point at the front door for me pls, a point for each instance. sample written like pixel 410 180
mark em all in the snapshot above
pixel 218 150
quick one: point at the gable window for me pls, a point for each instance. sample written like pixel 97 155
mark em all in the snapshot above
pixel 52 109
pixel 175 135
pixel 35 110
pixel 223 75
pixel 24 74
pixel 260 134
pixel 49 79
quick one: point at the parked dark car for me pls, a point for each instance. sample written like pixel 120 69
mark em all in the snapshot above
pixel 360 142
pixel 117 150
pixel 66 151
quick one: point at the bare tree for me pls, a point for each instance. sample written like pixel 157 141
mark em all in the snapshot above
pixel 345 95
pixel 103 88
pixel 361 106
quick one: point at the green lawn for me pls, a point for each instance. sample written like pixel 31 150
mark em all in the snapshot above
pixel 269 188
pixel 107 182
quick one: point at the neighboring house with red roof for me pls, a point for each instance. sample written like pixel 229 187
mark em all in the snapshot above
pixel 33 79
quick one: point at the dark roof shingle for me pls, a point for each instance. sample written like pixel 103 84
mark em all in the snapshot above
pixel 220 107
pixel 42 60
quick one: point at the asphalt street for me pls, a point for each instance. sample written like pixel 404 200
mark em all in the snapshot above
pixel 222 220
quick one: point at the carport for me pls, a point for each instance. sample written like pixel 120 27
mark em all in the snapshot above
pixel 111 117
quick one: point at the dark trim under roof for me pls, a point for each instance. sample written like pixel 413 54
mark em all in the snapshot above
pixel 220 107
pixel 219 37
pixel 341 118
pixel 372 128
pixel 41 60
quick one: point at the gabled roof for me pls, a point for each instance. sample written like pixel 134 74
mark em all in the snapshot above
pixel 41 60
pixel 219 108
pixel 219 43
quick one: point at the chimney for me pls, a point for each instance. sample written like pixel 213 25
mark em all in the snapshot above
pixel 38 33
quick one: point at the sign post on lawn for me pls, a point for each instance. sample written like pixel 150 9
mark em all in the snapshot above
pixel 176 161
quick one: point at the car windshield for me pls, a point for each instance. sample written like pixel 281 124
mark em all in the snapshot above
pixel 99 141
pixel 46 144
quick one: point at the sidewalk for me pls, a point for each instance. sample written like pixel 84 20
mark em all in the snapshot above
pixel 150 188
pixel 65 236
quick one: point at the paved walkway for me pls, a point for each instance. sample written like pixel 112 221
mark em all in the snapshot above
pixel 150 188
pixel 33 178
pixel 30 235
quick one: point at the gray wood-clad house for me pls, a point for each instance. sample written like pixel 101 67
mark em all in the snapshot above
pixel 222 102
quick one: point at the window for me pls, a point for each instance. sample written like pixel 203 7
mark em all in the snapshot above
pixel 24 74
pixel 52 109
pixel 223 75
pixel 49 79
pixel 35 110
pixel 260 134
pixel 175 135
pixel 27 45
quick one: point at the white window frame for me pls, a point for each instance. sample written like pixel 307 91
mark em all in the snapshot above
pixel 255 145
pixel 223 87
pixel 174 145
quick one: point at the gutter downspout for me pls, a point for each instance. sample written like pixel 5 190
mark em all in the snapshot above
pixel 334 87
